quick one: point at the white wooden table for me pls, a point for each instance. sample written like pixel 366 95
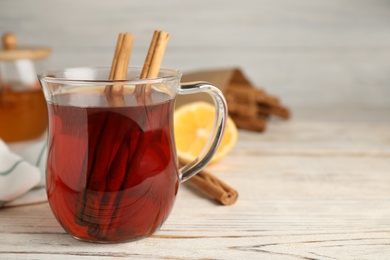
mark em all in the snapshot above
pixel 314 187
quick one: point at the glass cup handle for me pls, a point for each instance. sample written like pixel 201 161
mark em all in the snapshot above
pixel 192 168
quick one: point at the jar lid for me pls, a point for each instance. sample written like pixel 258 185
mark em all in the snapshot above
pixel 11 52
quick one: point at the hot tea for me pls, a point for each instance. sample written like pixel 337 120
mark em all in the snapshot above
pixel 112 171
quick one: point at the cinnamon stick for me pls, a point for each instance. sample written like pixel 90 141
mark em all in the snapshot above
pixel 107 179
pixel 149 56
pixel 255 124
pixel 242 109
pixel 120 64
pixel 214 187
pixel 250 107
pixel 97 169
pixel 274 110
pixel 115 59
pixel 152 63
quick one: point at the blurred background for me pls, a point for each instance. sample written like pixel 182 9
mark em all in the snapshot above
pixel 309 53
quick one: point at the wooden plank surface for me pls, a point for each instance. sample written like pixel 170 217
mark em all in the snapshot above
pixel 308 190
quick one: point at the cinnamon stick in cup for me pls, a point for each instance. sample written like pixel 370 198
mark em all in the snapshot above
pixel 155 55
pixel 99 211
pixel 125 155
pixel 152 64
pixel 92 197
pixel 120 63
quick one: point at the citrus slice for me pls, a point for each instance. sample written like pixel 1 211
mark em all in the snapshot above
pixel 193 124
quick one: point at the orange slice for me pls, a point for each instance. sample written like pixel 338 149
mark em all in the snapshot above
pixel 193 124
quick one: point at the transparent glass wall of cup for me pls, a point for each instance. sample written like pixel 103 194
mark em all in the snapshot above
pixel 112 170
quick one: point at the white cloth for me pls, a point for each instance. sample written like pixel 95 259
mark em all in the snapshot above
pixel 22 175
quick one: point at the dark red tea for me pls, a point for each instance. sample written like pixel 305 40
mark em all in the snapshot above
pixel 112 171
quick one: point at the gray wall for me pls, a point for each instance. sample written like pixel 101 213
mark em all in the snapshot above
pixel 309 53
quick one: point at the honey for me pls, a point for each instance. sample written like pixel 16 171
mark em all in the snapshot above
pixel 23 114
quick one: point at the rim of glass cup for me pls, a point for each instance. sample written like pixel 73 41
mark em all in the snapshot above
pixel 49 76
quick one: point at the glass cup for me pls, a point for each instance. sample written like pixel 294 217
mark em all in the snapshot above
pixel 112 171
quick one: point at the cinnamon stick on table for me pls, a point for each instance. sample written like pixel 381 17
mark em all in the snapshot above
pixel 216 188
pixel 213 186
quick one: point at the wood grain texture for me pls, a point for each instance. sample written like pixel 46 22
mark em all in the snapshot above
pixel 316 187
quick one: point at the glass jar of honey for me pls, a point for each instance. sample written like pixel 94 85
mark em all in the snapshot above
pixel 23 113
